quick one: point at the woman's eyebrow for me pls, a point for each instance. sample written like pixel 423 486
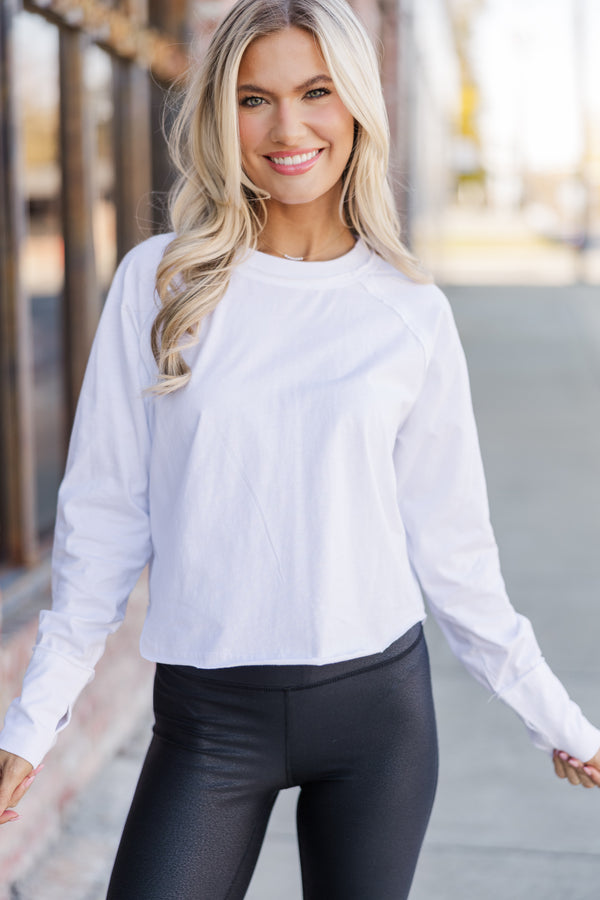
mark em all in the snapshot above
pixel 314 80
pixel 301 87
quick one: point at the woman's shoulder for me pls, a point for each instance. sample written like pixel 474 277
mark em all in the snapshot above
pixel 422 305
pixel 134 283
pixel 146 255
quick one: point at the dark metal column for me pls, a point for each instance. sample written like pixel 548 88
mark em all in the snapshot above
pixel 81 296
pixel 133 155
pixel 18 539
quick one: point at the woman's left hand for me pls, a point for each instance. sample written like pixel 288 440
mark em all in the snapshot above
pixel 576 771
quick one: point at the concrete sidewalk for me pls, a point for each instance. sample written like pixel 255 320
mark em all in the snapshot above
pixel 503 826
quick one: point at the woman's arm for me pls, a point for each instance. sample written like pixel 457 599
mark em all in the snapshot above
pixel 102 536
pixel 443 502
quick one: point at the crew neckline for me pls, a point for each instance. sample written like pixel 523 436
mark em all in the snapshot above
pixel 290 269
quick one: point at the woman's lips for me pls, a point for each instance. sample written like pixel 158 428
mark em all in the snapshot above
pixel 294 163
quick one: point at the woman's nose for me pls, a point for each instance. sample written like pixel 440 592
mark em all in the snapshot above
pixel 287 127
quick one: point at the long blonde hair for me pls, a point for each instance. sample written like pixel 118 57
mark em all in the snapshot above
pixel 217 212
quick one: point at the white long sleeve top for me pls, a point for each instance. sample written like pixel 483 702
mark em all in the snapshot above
pixel 318 475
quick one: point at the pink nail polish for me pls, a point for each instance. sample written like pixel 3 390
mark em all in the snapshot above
pixel 564 756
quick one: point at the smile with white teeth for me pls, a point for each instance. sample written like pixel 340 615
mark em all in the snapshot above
pixel 293 160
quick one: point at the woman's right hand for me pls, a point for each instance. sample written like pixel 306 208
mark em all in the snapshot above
pixel 577 771
pixel 16 777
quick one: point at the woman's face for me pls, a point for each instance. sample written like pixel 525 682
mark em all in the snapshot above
pixel 296 134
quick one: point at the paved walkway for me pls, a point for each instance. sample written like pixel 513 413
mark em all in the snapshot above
pixel 503 826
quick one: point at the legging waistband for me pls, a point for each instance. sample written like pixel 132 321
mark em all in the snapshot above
pixel 293 676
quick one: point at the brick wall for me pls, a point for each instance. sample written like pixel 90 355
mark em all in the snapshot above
pixel 104 716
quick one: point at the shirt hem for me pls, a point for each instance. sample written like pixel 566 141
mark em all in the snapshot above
pixel 198 662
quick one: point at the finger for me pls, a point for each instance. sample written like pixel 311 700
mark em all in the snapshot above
pixel 572 773
pixel 10 795
pixel 9 816
pixel 593 774
pixel 24 786
pixel 584 779
pixel 567 766
pixel 559 765
pixel 21 790
pixel 572 767
pixel 26 783
pixel 579 769
pixel 4 801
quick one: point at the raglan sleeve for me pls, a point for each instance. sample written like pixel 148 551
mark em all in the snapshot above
pixel 102 535
pixel 442 498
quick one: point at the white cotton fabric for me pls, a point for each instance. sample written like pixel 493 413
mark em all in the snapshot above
pixel 318 472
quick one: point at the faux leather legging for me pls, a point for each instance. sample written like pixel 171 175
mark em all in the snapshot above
pixel 359 739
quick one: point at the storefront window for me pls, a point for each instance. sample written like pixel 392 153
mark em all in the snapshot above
pixel 42 261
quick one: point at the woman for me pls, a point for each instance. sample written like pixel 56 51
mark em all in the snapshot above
pixel 286 435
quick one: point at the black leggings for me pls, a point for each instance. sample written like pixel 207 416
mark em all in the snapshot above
pixel 359 739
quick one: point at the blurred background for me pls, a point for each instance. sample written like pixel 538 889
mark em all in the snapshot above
pixel 494 112
pixel 505 140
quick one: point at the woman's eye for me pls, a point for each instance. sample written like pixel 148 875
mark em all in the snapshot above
pixel 317 92
pixel 251 101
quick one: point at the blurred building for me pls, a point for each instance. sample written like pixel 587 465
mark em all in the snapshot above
pixel 439 130
pixel 522 199
pixel 83 176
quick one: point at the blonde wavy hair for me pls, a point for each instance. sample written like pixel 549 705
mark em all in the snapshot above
pixel 217 213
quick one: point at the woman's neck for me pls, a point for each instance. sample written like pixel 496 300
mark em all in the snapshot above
pixel 300 232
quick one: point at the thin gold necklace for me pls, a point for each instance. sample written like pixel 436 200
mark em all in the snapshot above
pixel 304 258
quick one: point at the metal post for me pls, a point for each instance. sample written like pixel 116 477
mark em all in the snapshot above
pixel 81 294
pixel 133 155
pixel 18 536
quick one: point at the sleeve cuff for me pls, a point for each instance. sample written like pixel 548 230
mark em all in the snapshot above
pixel 553 720
pixel 52 684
